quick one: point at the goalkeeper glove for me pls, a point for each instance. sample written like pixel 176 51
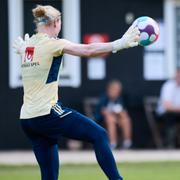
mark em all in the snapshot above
pixel 129 39
pixel 20 45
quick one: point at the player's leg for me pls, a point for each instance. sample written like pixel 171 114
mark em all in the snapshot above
pixel 46 152
pixel 48 160
pixel 77 126
pixel 111 123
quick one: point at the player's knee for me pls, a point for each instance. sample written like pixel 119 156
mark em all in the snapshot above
pixel 102 134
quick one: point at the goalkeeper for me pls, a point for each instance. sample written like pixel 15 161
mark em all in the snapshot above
pixel 43 117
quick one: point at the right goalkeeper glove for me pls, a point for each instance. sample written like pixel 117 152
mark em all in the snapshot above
pixel 129 39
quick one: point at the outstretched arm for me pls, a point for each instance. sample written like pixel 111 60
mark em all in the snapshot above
pixel 87 50
pixel 129 39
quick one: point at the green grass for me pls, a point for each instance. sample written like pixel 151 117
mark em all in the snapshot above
pixel 130 171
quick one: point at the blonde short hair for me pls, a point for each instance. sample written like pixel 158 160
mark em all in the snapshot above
pixel 44 15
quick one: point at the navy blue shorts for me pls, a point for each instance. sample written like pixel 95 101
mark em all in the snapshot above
pixel 61 121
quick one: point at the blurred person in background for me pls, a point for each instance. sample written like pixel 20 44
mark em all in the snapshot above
pixel 169 109
pixel 111 109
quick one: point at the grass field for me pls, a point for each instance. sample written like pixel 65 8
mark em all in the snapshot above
pixel 130 171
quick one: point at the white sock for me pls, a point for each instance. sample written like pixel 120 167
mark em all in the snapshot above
pixel 127 143
pixel 113 146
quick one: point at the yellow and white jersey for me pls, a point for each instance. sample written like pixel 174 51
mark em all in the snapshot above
pixel 40 71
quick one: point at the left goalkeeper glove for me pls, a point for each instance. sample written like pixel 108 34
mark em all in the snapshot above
pixel 19 44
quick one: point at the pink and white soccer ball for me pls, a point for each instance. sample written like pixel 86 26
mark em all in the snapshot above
pixel 149 30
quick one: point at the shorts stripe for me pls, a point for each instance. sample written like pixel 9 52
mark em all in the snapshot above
pixel 65 114
pixel 57 111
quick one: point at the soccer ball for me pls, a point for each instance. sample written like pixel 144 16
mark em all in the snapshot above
pixel 149 30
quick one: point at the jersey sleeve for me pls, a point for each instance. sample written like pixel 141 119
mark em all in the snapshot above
pixel 57 46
